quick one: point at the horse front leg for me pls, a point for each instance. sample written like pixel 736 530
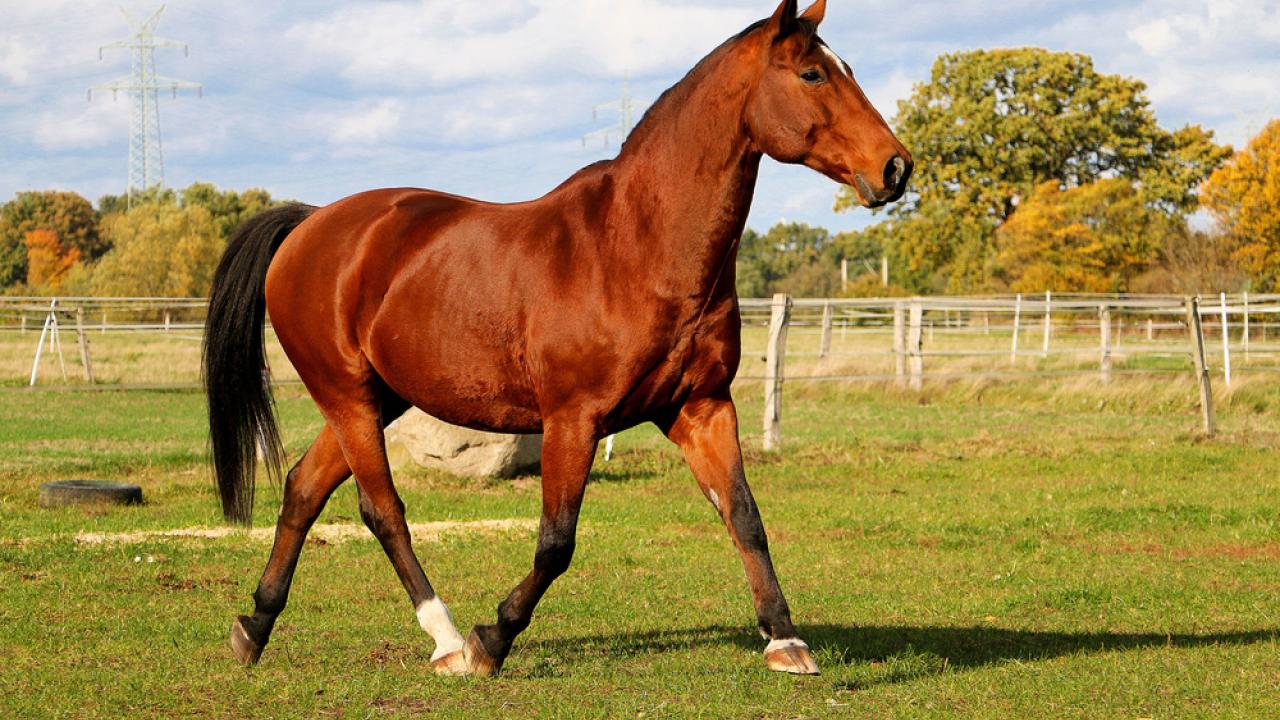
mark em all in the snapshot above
pixel 568 449
pixel 706 430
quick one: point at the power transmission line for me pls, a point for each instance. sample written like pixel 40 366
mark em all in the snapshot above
pixel 625 107
pixel 146 161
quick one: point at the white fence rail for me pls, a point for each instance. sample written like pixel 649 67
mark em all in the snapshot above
pixel 906 340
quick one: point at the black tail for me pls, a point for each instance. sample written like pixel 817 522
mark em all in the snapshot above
pixel 235 365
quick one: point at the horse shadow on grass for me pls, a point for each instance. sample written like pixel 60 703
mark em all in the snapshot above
pixel 892 654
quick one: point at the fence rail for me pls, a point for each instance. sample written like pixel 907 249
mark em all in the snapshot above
pixel 154 342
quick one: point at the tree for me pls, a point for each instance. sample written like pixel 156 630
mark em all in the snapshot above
pixel 1097 238
pixel 764 261
pixel 67 215
pixel 1244 196
pixel 229 208
pixel 159 250
pixel 48 260
pixel 115 204
pixel 991 126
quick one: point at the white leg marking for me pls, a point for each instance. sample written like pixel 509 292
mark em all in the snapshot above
pixel 435 618
pixel 780 644
pixel 715 499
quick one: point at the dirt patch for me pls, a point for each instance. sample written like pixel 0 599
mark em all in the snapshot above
pixel 422 532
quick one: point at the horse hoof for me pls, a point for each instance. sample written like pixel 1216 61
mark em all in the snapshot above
pixel 452 665
pixel 246 650
pixel 790 656
pixel 479 662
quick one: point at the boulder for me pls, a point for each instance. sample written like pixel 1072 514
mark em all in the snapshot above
pixel 423 440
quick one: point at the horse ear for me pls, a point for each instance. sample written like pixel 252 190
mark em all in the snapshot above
pixel 816 12
pixel 784 21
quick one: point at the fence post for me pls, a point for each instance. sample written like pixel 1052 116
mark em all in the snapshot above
pixel 167 319
pixel 1151 330
pixel 900 342
pixel 1104 324
pixel 83 339
pixel 24 323
pixel 825 346
pixel 1226 343
pixel 775 354
pixel 1202 370
pixel 1017 329
pixel 915 338
pixel 1048 321
pixel 1246 328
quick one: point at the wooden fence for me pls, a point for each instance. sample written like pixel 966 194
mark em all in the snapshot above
pixel 906 341
pixel 919 335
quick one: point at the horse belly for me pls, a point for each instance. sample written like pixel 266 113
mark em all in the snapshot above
pixel 451 369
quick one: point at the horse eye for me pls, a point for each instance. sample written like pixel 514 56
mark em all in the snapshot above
pixel 812 76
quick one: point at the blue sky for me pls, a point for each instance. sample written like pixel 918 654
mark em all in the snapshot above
pixel 320 99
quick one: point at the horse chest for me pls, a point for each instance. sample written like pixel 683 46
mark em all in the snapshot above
pixel 700 359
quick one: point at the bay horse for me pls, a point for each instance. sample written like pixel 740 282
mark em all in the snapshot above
pixel 607 303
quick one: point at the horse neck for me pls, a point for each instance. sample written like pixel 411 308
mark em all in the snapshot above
pixel 690 170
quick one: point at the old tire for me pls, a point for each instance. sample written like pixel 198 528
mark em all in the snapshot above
pixel 88 492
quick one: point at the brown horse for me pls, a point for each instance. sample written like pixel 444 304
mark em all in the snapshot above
pixel 607 303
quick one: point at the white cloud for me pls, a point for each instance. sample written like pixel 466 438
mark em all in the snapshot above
pixel 80 127
pixel 16 59
pixel 416 45
pixel 362 127
pixel 1156 37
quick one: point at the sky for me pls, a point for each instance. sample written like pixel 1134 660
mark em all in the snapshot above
pixel 320 99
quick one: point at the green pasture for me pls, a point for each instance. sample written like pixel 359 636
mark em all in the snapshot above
pixel 1051 549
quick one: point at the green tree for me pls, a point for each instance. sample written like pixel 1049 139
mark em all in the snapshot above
pixel 991 126
pixel 159 250
pixel 114 204
pixel 67 215
pixel 229 208
pixel 764 261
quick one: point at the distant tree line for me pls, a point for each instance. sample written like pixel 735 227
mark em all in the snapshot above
pixel 164 243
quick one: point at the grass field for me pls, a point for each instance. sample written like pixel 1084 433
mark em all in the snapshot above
pixel 978 550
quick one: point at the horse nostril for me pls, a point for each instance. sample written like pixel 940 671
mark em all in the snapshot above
pixel 894 173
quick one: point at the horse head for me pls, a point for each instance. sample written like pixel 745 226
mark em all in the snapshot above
pixel 806 107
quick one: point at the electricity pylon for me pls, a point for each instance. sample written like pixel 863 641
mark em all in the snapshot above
pixel 626 109
pixel 146 161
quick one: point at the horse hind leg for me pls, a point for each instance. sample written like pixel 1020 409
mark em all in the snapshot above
pixel 363 444
pixel 307 488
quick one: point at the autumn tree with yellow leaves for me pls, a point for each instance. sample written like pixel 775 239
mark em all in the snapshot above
pixel 1098 237
pixel 158 250
pixel 1244 196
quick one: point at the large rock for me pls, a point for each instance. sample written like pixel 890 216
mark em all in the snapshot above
pixel 423 440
